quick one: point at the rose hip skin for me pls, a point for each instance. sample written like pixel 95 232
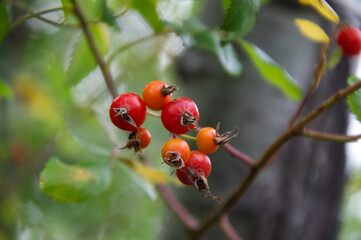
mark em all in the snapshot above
pixel 135 108
pixel 153 97
pixel 198 164
pixel 349 38
pixel 206 142
pixel 172 115
pixel 144 137
pixel 179 146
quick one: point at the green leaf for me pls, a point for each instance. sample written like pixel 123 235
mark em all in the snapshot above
pixel 272 71
pixel 67 7
pixel 69 183
pixel 107 16
pixel 229 60
pixel 5 91
pixel 92 10
pixel 197 35
pixel 83 61
pixel 147 8
pixel 354 100
pixel 335 58
pixel 240 16
pixel 85 129
pixel 4 20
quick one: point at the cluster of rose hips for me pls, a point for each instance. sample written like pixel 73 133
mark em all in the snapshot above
pixel 349 39
pixel 179 116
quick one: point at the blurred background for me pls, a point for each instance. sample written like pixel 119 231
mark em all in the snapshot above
pixel 54 122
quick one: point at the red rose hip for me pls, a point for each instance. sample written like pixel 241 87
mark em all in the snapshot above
pixel 197 165
pixel 180 115
pixel 349 39
pixel 128 112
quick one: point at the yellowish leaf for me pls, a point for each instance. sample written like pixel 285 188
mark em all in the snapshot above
pixel 311 30
pixel 323 8
pixel 148 173
pixel 39 103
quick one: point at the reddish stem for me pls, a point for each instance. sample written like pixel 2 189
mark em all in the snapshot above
pixel 329 136
pixel 189 221
pixel 228 229
pixel 234 152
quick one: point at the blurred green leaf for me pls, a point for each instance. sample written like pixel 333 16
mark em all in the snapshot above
pixel 334 58
pixel 107 16
pixel 67 7
pixel 197 35
pixel 354 100
pixel 147 9
pixel 240 16
pixel 354 183
pixel 92 10
pixel 4 20
pixel 229 60
pixel 225 4
pixel 140 182
pixel 69 183
pixel 82 61
pixel 5 91
pixel 272 71
pixel 85 129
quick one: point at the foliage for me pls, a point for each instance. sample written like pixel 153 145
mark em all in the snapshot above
pixel 57 97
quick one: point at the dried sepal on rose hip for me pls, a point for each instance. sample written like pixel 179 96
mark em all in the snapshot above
pixel 138 140
pixel 156 94
pixel 128 112
pixel 180 115
pixel 209 139
pixel 195 172
pixel 202 186
pixel 175 153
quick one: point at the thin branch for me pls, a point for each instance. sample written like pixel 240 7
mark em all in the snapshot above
pixel 121 13
pixel 234 152
pixel 319 71
pixel 126 46
pixel 329 136
pixel 102 65
pixel 228 229
pixel 38 16
pixel 268 154
pixel 189 221
pixel 302 105
pixel 188 137
pixel 153 114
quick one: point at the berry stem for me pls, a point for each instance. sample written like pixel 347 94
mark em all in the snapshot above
pixel 329 136
pixel 188 137
pixel 153 114
pixel 98 57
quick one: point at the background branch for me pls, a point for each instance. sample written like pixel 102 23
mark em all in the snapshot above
pixel 227 228
pixel 329 136
pixel 234 152
pixel 268 154
pixel 102 65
